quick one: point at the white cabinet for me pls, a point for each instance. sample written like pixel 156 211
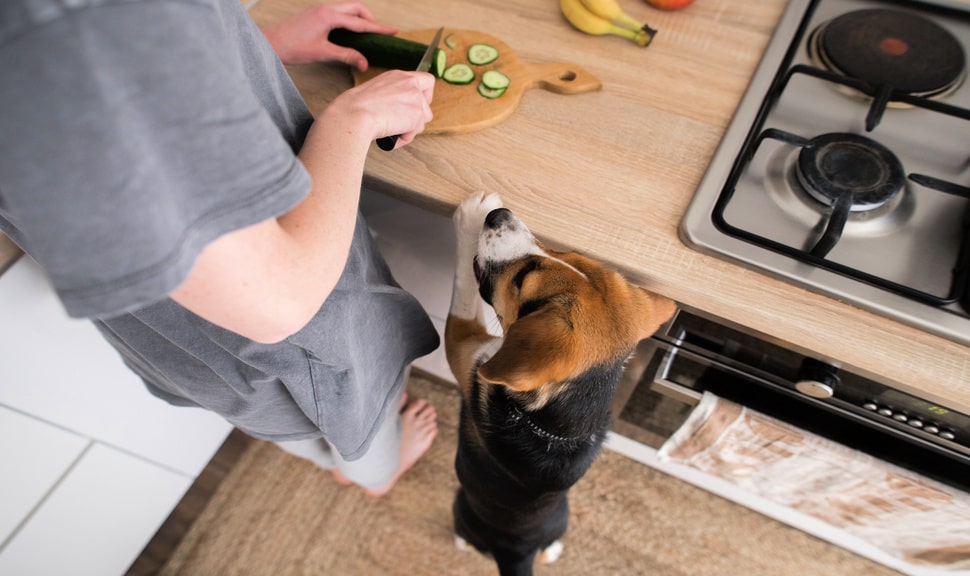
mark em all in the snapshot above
pixel 32 468
pixel 419 247
pixel 96 522
pixel 93 464
pixel 61 370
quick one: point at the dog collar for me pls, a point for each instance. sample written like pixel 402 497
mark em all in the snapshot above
pixel 519 416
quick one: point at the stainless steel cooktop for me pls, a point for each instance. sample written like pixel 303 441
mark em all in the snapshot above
pixel 846 168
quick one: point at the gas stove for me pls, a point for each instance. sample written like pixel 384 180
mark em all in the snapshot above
pixel 846 168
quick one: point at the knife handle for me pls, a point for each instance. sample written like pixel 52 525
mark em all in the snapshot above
pixel 387 143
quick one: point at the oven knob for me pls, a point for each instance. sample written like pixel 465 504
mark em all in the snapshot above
pixel 915 423
pixel 900 417
pixel 931 429
pixel 885 412
pixel 947 435
pixel 817 379
pixel 872 406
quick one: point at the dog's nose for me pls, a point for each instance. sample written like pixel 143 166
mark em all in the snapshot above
pixel 498 217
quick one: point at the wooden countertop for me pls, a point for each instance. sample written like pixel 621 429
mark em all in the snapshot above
pixel 611 173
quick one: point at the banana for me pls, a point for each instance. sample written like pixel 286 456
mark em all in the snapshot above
pixel 610 10
pixel 582 19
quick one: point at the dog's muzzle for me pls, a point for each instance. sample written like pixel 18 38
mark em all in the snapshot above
pixel 504 239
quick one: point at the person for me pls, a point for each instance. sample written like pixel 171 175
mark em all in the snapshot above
pixel 158 163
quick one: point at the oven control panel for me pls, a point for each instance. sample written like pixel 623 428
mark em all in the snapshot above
pixel 927 426
pixel 930 422
pixel 819 383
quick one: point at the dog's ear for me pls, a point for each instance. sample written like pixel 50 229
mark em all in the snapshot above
pixel 652 311
pixel 533 353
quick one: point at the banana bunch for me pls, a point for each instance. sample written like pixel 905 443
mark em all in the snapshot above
pixel 605 17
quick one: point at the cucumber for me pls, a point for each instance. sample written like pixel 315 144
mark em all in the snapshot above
pixel 490 93
pixel 384 51
pixel 495 80
pixel 459 73
pixel 480 54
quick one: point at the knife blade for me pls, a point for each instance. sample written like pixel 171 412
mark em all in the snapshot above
pixel 388 142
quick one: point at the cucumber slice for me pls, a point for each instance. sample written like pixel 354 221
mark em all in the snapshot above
pixel 490 93
pixel 440 63
pixel 459 73
pixel 495 80
pixel 480 54
pixel 450 41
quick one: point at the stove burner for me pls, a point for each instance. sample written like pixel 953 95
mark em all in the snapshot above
pixel 891 48
pixel 839 167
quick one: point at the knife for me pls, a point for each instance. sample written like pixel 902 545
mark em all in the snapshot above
pixel 388 142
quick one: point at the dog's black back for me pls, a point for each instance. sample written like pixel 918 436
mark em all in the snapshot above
pixel 516 466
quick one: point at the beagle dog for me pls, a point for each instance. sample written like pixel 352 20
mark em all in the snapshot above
pixel 535 401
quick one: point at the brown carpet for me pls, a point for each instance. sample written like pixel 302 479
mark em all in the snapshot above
pixel 277 515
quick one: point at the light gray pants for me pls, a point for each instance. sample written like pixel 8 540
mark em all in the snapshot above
pixel 375 469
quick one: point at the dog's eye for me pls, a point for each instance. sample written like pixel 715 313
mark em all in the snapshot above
pixel 531 306
pixel 519 278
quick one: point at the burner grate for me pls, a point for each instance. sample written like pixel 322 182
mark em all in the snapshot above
pixel 884 95
pixel 893 54
pixel 841 204
pixel 833 223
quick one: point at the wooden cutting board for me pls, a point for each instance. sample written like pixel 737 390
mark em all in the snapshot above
pixel 460 108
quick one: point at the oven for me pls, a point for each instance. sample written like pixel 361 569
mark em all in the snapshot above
pixel 694 353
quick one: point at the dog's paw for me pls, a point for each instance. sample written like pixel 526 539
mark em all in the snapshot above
pixel 470 215
pixel 551 553
pixel 469 220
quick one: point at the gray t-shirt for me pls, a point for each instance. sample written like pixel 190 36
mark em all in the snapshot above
pixel 133 133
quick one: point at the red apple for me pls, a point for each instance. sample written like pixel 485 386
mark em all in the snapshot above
pixel 669 4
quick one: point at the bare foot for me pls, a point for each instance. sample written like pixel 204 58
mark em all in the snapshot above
pixel 419 426
pixel 338 475
pixel 340 478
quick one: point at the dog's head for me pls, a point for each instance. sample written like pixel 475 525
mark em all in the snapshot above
pixel 561 313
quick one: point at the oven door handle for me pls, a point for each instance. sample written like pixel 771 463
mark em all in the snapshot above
pixel 663 385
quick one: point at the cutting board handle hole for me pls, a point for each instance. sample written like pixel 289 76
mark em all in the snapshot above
pixel 567 76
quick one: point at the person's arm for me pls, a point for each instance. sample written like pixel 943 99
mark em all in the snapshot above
pixel 267 281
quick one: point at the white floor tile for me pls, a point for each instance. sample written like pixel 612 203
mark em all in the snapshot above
pixel 34 456
pixel 97 520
